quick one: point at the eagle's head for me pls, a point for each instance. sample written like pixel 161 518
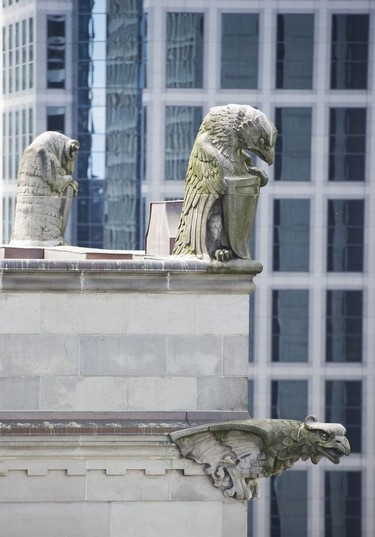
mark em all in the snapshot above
pixel 323 440
pixel 256 133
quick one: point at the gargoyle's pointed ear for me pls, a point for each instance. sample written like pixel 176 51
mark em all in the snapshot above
pixel 309 421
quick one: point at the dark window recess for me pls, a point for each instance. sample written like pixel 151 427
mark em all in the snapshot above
pixel 347 144
pixel 344 405
pixel 56 119
pixel 344 317
pixel 345 235
pixel 349 51
pixel 181 127
pixel 290 325
pixel 289 399
pixel 294 51
pixel 289 505
pixel 291 231
pixel 56 51
pixel 293 144
pixel 184 50
pixel 239 50
pixel 343 499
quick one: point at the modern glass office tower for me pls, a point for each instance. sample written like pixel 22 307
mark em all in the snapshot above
pixel 77 67
pixel 132 83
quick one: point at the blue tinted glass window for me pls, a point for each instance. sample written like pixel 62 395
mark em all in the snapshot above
pixel 184 51
pixel 181 127
pixel 293 144
pixel 289 505
pixel 347 144
pixel 290 325
pixel 239 50
pixel 345 235
pixel 289 399
pixel 343 498
pixel 344 405
pixel 344 317
pixel 294 53
pixel 349 51
pixel 291 220
pixel 56 51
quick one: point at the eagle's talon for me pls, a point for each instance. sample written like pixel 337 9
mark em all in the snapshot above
pixel 223 255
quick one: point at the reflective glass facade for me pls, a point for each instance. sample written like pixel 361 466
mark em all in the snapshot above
pixel 291 229
pixel 290 321
pixel 294 51
pixel 289 505
pixel 349 51
pixel 344 319
pixel 239 50
pixel 345 235
pixel 347 144
pixel 289 399
pixel 344 405
pixel 293 144
pixel 56 42
pixel 109 124
pixel 343 509
pixel 184 50
pixel 181 127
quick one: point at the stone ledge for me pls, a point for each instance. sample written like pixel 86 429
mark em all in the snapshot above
pixel 106 423
pixel 169 275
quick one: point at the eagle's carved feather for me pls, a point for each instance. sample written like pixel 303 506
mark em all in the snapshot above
pixel 219 152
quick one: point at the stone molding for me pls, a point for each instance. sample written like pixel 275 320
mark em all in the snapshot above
pixel 77 423
pixel 168 275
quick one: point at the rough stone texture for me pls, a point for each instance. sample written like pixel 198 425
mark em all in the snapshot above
pixel 236 355
pixel 180 519
pixel 117 340
pixel 56 518
pixel 45 188
pixel 71 347
pixel 123 355
pixel 38 355
pixel 194 355
pixel 222 185
pixel 19 393
pixel 225 393
pixel 135 486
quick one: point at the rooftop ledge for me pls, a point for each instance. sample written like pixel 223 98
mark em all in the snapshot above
pixel 69 268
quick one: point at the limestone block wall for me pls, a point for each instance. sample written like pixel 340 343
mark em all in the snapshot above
pixel 109 487
pixel 99 361
pixel 78 336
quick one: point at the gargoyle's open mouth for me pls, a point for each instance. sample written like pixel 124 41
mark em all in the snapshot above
pixel 332 454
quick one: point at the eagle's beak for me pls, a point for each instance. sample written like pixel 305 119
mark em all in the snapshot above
pixel 268 155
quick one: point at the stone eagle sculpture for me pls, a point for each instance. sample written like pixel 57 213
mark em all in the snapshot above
pixel 45 188
pixel 222 185
pixel 235 455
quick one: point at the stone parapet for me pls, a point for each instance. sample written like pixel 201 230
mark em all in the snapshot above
pixel 100 360
pixel 124 335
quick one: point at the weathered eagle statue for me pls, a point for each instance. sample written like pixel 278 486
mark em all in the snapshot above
pixel 237 454
pixel 222 185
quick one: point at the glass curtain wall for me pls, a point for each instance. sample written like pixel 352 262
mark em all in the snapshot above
pixel 109 123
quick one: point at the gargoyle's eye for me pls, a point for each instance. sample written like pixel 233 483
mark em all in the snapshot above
pixel 261 141
pixel 324 435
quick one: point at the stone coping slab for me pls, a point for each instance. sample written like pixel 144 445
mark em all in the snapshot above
pixel 139 274
pixel 106 423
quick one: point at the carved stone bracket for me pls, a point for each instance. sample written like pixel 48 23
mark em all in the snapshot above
pixel 235 455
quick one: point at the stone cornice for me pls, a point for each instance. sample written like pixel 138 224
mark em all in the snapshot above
pixel 143 423
pixel 153 275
